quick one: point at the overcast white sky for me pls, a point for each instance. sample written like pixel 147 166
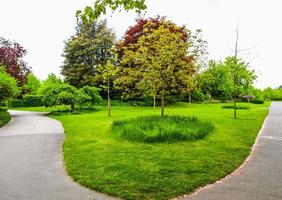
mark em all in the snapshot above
pixel 42 26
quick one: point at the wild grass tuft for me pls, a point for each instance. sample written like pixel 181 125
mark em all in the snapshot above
pixel 154 129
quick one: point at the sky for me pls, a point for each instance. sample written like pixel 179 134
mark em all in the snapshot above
pixel 43 26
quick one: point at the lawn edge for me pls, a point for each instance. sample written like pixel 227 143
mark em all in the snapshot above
pixel 236 172
pixel 66 173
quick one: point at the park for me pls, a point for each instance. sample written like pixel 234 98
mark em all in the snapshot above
pixel 148 115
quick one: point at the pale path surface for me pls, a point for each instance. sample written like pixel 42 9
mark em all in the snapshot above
pixel 31 162
pixel 261 177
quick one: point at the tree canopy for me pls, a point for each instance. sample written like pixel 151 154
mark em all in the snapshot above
pixel 11 58
pixel 156 63
pixel 85 51
pixel 90 14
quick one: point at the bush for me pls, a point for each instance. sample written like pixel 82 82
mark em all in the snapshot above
pixel 258 101
pixel 154 129
pixel 4 117
pixel 14 103
pixel 33 100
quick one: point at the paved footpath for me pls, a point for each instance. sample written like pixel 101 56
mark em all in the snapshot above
pixel 31 163
pixel 261 177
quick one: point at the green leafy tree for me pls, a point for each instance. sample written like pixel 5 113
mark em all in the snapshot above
pixel 241 76
pixel 162 59
pixel 8 85
pixel 58 94
pixel 89 96
pixel 32 84
pixel 90 14
pixel 108 73
pixel 216 81
pixel 49 82
pixel 85 51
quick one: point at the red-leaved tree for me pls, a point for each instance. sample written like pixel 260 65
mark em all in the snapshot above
pixel 11 57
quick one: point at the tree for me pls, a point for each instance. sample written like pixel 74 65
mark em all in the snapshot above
pixel 8 86
pixel 58 94
pixel 108 72
pixel 216 81
pixel 90 14
pixel 131 70
pixel 50 81
pixel 11 57
pixel 240 75
pixel 162 60
pixel 85 51
pixel 89 96
pixel 32 84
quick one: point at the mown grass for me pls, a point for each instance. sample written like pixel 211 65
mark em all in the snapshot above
pixel 153 129
pixel 133 170
pixel 4 117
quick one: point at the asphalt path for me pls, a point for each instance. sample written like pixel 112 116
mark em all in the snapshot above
pixel 31 161
pixel 261 177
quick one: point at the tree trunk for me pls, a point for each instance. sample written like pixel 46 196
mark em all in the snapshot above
pixel 162 110
pixel 190 98
pixel 234 99
pixel 72 107
pixel 109 99
pixel 154 100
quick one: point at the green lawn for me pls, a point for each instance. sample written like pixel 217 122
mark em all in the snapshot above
pixel 131 170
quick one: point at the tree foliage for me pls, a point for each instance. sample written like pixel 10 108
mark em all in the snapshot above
pixel 90 14
pixel 32 84
pixel 216 81
pixel 156 62
pixel 85 51
pixel 8 86
pixel 11 57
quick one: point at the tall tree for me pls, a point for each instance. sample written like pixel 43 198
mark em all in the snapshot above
pixel 131 70
pixel 240 75
pixel 85 51
pixel 160 56
pixel 11 57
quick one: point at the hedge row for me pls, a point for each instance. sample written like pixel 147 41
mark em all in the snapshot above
pixel 27 101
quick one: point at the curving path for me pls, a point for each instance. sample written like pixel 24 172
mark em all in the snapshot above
pixel 261 177
pixel 31 165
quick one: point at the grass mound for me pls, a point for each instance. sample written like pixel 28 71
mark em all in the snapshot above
pixel 4 117
pixel 154 129
pixel 238 107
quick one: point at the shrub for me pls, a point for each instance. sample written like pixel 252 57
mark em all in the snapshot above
pixel 153 129
pixel 33 100
pixel 14 103
pixel 4 117
pixel 258 101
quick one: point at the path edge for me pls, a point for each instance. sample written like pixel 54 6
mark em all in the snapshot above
pixel 236 172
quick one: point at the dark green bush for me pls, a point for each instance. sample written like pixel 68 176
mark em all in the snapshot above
pixel 33 100
pixel 4 117
pixel 154 129
pixel 258 101
pixel 14 103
